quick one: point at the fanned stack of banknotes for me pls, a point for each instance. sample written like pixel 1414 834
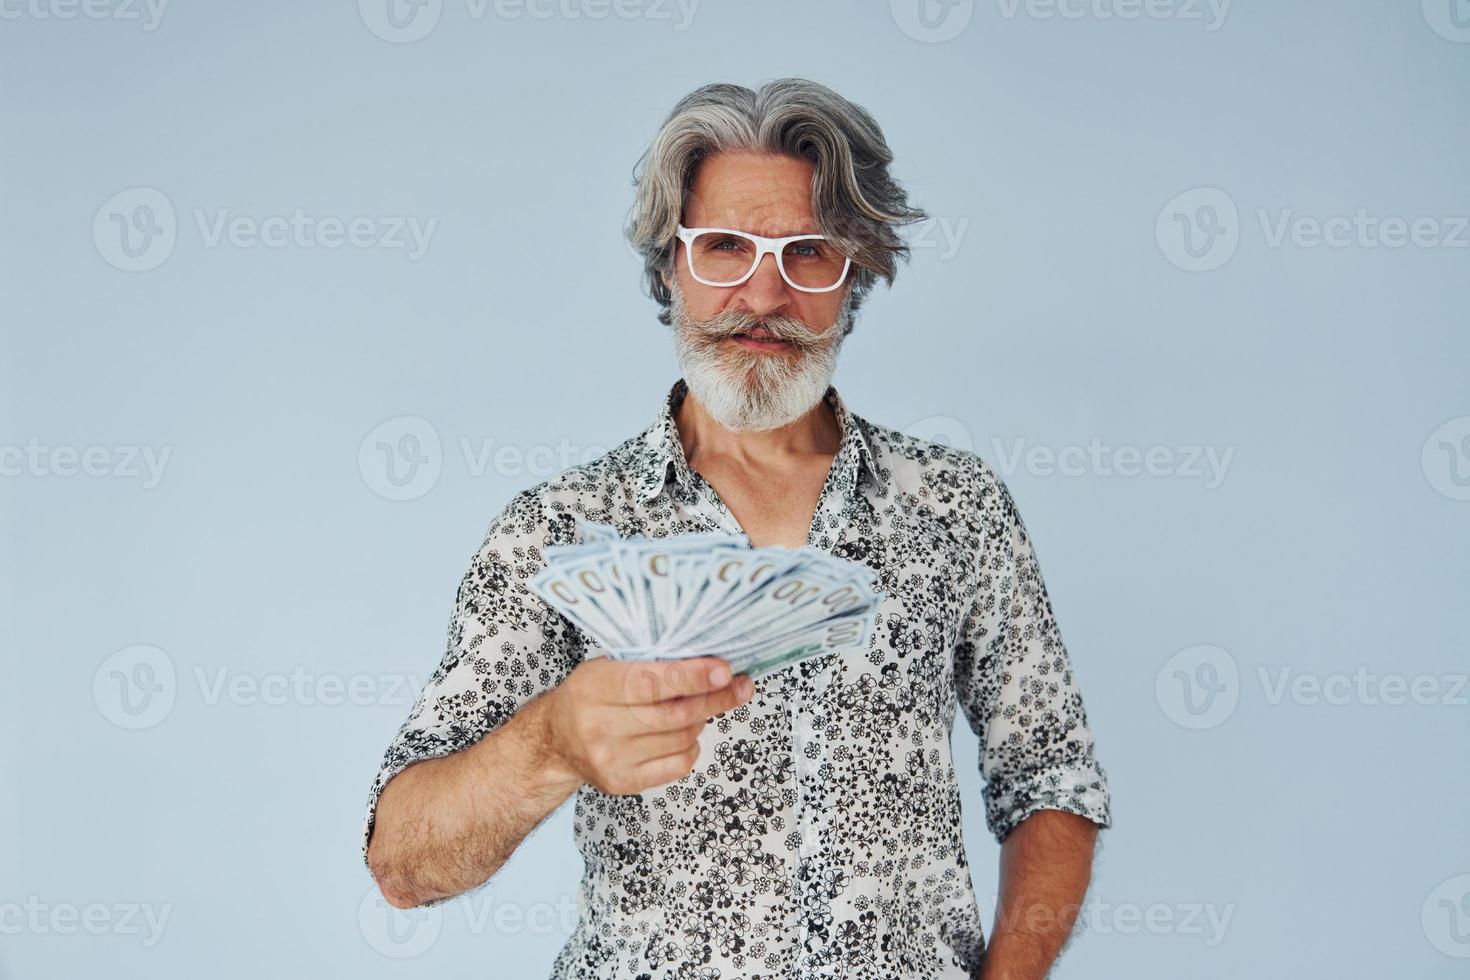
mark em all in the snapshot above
pixel 695 595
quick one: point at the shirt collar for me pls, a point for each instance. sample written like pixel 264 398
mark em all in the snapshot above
pixel 664 450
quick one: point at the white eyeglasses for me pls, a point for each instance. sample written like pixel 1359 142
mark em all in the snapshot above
pixel 726 257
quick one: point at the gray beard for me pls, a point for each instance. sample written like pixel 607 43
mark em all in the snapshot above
pixel 748 391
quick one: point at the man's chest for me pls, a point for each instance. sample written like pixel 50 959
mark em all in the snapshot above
pixel 925 556
pixel 772 507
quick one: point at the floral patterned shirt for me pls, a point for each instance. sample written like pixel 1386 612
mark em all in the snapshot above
pixel 819 834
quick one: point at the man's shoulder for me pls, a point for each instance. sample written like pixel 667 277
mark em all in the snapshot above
pixel 548 506
pixel 624 465
pixel 917 464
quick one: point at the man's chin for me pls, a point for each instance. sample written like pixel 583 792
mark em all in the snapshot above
pixel 753 390
pixel 752 374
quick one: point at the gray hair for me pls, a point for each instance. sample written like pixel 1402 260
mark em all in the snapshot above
pixel 856 203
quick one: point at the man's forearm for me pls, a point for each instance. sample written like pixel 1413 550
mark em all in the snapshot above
pixel 1045 867
pixel 446 825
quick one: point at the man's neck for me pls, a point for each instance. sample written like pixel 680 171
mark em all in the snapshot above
pixel 817 432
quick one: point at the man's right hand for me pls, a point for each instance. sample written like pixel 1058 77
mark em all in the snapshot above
pixel 628 726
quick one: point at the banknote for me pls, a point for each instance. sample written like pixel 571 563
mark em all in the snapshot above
pixel 708 594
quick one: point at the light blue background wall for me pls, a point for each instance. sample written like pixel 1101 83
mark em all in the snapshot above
pixel 1052 306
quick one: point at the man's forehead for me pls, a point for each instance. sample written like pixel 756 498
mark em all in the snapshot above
pixel 764 195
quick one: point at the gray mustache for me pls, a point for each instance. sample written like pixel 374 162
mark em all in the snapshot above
pixel 724 325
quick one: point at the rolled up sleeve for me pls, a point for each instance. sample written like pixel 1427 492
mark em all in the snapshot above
pixel 1016 686
pixel 505 646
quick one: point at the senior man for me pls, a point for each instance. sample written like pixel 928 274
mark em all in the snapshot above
pixel 805 824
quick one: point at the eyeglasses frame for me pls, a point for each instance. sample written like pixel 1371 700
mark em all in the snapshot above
pixel 763 245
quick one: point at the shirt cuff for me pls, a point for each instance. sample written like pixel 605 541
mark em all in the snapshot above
pixel 1082 790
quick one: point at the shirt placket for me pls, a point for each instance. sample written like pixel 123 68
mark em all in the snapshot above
pixel 812 905
pixel 809 744
pixel 702 504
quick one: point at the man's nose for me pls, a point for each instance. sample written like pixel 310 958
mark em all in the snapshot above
pixel 765 291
